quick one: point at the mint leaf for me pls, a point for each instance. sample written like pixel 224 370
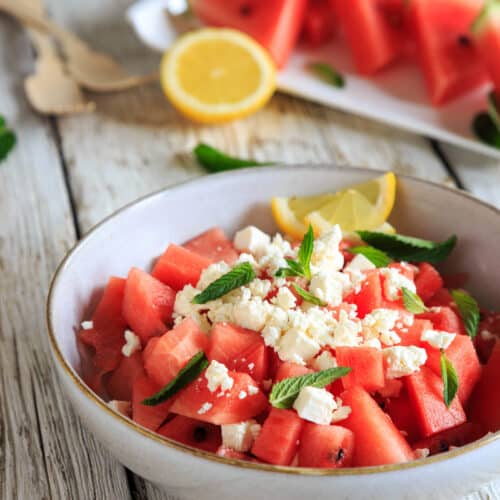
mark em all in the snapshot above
pixel 239 275
pixel 376 257
pixel 186 375
pixel 284 393
pixel 485 129
pixel 413 303
pixel 469 311
pixel 327 73
pixel 302 266
pixel 450 380
pixel 494 109
pixel 216 161
pixel 7 139
pixel 407 248
pixel 308 296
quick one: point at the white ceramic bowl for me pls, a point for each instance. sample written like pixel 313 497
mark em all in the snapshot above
pixel 139 232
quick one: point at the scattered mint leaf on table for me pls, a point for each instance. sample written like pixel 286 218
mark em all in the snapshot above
pixel 7 139
pixel 469 311
pixel 328 73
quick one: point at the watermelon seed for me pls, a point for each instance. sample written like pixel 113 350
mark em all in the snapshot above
pixel 246 10
pixel 199 434
pixel 464 41
pixel 444 445
pixel 340 455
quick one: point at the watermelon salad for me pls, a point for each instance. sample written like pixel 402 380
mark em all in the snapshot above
pixel 456 43
pixel 330 352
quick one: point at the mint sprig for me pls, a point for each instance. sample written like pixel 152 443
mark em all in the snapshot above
pixel 375 256
pixel 407 248
pixel 469 311
pixel 7 139
pixel 302 266
pixel 239 275
pixel 284 393
pixel 185 376
pixel 412 302
pixel 308 296
pixel 450 379
pixel 327 73
pixel 216 161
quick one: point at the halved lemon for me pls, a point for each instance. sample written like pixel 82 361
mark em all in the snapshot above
pixel 362 206
pixel 214 75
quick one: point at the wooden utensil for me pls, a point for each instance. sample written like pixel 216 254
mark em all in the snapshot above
pixel 92 70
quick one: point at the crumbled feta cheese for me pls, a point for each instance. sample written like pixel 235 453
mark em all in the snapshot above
pixel 394 281
pixel 437 338
pixel 252 390
pixel 183 305
pixel 259 288
pixel 324 361
pixel 422 452
pixel 240 437
pixel 218 377
pixel 132 343
pixel 379 324
pixel 242 395
pixel 346 331
pixel 372 343
pixel 252 314
pixel 212 273
pixel 315 405
pixel 123 407
pixel 329 287
pixel 87 325
pixel 326 255
pixel 285 299
pixel 360 263
pixel 271 336
pixel 204 408
pixel 252 239
pixel 341 413
pixel 403 360
pixel 485 334
pixel 297 347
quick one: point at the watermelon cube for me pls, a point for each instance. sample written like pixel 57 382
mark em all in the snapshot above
pixel 425 390
pixel 326 446
pixel 441 298
pixel 121 381
pixel 150 417
pixel 319 23
pixel 213 245
pixel 377 440
pixel 147 304
pixel 236 405
pixel 401 412
pixel 277 442
pixel 165 356
pixel 444 319
pixel 367 367
pixel 289 370
pixel 428 281
pixel 411 335
pixel 369 296
pixel 193 433
pixel 178 267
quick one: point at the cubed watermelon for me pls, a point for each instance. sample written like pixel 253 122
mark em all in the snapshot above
pixel 213 245
pixel 367 367
pixel 228 341
pixel 193 433
pixel 401 412
pixel 425 390
pixel 441 298
pixel 428 281
pixel 236 405
pixel 289 370
pixel 150 417
pixel 165 356
pixel 254 361
pixel 411 335
pixel 147 304
pixel 178 267
pixel 369 296
pixel 278 440
pixel 377 440
pixel 444 319
pixel 319 23
pixel 121 381
pixel 326 446
pixel 485 342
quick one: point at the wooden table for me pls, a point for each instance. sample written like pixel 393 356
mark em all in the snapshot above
pixel 68 173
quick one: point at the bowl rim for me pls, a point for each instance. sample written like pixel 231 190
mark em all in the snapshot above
pixel 122 419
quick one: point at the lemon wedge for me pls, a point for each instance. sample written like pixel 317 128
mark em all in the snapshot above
pixel 214 75
pixel 362 206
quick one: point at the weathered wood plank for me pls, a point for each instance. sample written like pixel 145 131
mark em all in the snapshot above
pixel 44 451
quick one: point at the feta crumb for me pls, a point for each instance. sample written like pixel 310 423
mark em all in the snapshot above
pixel 132 343
pixel 346 331
pixel 183 305
pixel 373 343
pixel 297 347
pixel 252 239
pixel 204 408
pixel 360 263
pixel 217 377
pixel 379 324
pixel 329 287
pixel 123 407
pixel 251 314
pixel 260 288
pixel 212 273
pixel 326 255
pixel 485 334
pixel 437 338
pixel 285 299
pixel 271 336
pixel 315 405
pixel 422 452
pixel 240 437
pixel 252 390
pixel 403 360
pixel 324 361
pixel 251 366
pixel 341 413
pixel 87 325
pixel 394 281
pixel 242 395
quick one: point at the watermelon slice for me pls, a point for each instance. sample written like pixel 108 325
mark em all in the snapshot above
pixel 150 417
pixel 120 383
pixel 485 401
pixel 428 281
pixel 326 446
pixel 367 367
pixel 319 23
pixel 164 357
pixel 178 267
pixel 377 440
pixel 275 24
pixel 196 401
pixel 449 60
pixel 277 442
pixel 213 245
pixel 193 433
pixel 147 304
pixel 425 390
pixel 486 30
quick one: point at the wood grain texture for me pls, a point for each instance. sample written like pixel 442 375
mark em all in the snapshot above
pixel 38 431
